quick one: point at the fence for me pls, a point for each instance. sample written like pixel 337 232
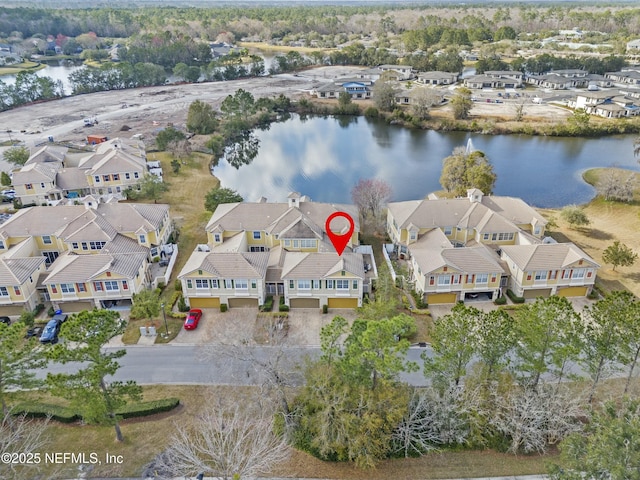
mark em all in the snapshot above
pixel 385 252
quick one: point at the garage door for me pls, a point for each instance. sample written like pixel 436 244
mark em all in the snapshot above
pixel 204 302
pixel 71 307
pixel 343 303
pixel 10 310
pixel 436 298
pixel 572 292
pixel 243 302
pixel 304 303
pixel 538 292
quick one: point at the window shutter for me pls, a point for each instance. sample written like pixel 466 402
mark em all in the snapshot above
pixel 108 274
pixel 54 289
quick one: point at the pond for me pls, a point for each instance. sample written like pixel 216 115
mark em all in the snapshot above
pixel 324 157
pixel 53 71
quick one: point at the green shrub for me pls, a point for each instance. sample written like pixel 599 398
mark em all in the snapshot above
pixel 42 410
pixel 500 300
pixel 282 300
pixel 267 306
pixel 156 259
pixel 177 285
pixel 223 307
pixel 51 312
pixel 144 409
pixel 371 112
pixel 161 285
pixel 514 298
pixel 283 308
pixel 39 308
pixel 182 304
pixel 27 318
pixel 325 308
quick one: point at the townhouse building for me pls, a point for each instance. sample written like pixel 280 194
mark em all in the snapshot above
pixel 79 256
pixel 279 249
pixel 467 248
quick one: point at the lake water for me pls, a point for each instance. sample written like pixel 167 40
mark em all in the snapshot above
pixel 325 157
pixel 55 72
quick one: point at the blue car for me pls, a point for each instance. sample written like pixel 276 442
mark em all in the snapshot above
pixel 51 330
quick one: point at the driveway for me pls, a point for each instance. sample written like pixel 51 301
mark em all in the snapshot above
pixel 241 325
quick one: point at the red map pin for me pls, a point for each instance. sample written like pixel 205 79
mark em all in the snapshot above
pixel 339 241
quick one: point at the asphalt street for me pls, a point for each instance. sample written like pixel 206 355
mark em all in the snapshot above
pixel 211 365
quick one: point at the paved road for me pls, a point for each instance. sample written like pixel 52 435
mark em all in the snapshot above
pixel 192 364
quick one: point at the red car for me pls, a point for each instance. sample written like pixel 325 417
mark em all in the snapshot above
pixel 193 317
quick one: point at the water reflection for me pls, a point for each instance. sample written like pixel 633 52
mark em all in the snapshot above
pixel 322 158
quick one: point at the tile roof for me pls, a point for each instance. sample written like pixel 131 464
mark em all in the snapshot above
pixel 72 179
pixel 15 271
pixel 70 267
pixel 299 265
pixel 546 256
pixel 36 172
pixel 228 264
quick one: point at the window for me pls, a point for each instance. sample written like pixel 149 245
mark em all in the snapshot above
pixel 456 279
pixel 308 243
pixel 97 286
pixel 202 283
pixel 111 286
pixel 304 284
pixel 46 239
pixel 296 243
pixel 28 186
pixel 448 230
pixel 342 284
pixel 258 248
pixel 566 274
pixel 578 273
pixel 214 283
pixel 41 184
pixel 432 280
pixel 189 283
pixel 50 257
pixel 1 245
pixel 482 278
pixel 242 284
pixel 228 283
pixel 116 176
pixel 505 236
pixel 125 285
pixel 494 236
pixel 540 275
pixel 444 280
pixel 53 289
pixel 67 288
pixel 4 292
pixel 254 284
pixel 330 283
pixel 106 178
pixel 17 290
pixel 142 238
pixel 536 231
pixel 135 175
pixel 85 246
pixel 287 243
pixel 291 284
pixel 127 176
pixel 257 235
pixel 96 245
pixel 97 178
pixel 316 284
pixel 413 235
pixel 216 237
pixel 485 236
pixel 81 287
pixel 74 245
pixel 354 284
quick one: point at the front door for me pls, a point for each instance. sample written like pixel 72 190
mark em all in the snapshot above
pixel 280 288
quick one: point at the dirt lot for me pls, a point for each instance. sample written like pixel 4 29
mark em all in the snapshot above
pixel 145 110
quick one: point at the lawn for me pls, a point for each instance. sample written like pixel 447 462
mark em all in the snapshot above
pixel 19 67
pixel 609 221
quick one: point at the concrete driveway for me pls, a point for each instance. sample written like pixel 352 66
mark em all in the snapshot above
pixel 241 325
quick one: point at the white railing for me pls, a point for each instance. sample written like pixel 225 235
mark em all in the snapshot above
pixel 388 260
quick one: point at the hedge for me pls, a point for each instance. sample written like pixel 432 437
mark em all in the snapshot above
pixel 144 409
pixel 67 415
pixel 500 300
pixel 268 304
pixel 41 410
pixel 514 298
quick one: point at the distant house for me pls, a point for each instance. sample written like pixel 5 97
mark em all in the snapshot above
pixel 358 88
pixel 633 46
pixel 606 104
pixel 630 76
pixel 495 79
pixel 437 78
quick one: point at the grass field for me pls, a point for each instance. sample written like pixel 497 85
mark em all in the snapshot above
pixel 19 67
pixel 281 48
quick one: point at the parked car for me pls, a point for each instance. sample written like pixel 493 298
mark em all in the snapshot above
pixel 34 332
pixel 193 318
pixel 51 331
pixel 5 320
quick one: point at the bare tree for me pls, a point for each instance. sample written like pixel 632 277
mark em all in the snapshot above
pixel 613 187
pixel 225 441
pixel 534 419
pixel 370 196
pixel 519 111
pixel 435 418
pixel 422 99
pixel 19 435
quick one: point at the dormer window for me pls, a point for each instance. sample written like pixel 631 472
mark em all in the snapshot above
pixel 142 238
pixel 46 239
pixel 1 245
pixel 97 178
pixel 257 235
pixel 216 237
